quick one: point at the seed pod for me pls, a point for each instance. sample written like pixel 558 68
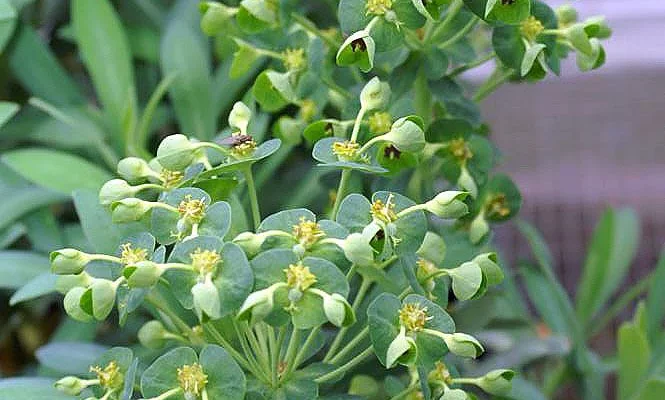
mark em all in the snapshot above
pixel 375 94
pixel 114 190
pixel 449 204
pixel 68 261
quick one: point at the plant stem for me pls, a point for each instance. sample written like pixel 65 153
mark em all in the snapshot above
pixel 404 393
pixel 227 346
pixel 364 286
pixel 300 357
pixel 452 11
pixel 461 33
pixel 472 65
pixel 344 368
pixel 253 198
pixel 249 356
pixel 492 83
pixel 277 350
pixel 341 189
pixel 351 345
pixel 157 302
pixel 313 29
pixel 291 352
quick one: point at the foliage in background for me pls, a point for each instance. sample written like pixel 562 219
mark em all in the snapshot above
pixel 279 57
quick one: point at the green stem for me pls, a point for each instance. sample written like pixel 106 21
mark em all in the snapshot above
pixel 451 13
pixel 461 33
pixel 300 357
pixel 277 350
pixel 402 395
pixel 362 291
pixel 227 346
pixel 161 305
pixel 351 345
pixel 471 65
pixel 346 367
pixel 341 189
pixel 253 198
pixel 492 83
pixel 313 29
pixel 143 129
pixel 249 355
pixel 291 352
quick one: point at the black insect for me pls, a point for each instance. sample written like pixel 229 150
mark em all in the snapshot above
pixel 235 140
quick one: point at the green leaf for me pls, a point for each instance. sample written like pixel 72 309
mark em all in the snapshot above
pixel 107 56
pixel 56 170
pixel 226 381
pixel 16 202
pixel 36 68
pixel 39 286
pixel 530 56
pixel 467 279
pixel 7 111
pixel 610 254
pixel 539 248
pixel 634 357
pixel 499 11
pixel 72 358
pixel 184 51
pixel 323 153
pixel 103 235
pixel 653 389
pixel 18 267
pixel 382 323
pixel 264 150
pixel 30 388
pixel 162 375
pixel 273 90
pixel 656 298
pixel 7 22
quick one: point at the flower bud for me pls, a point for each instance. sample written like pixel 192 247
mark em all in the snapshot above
pixel 358 49
pixel 402 349
pixel 490 268
pixel 239 117
pixel 143 274
pixel 71 385
pixel 134 169
pixel 215 16
pixel 448 205
pixel 72 304
pixel 338 310
pixel 497 382
pixel 206 299
pixel 99 298
pixel 406 134
pixel 357 249
pixel 114 190
pixel 250 242
pixel 176 152
pixel 65 283
pixel 467 183
pixel 153 335
pixel 129 209
pixel 68 261
pixel 257 305
pixel 463 345
pixel 454 394
pixel 375 94
pixel 566 15
pixel 478 229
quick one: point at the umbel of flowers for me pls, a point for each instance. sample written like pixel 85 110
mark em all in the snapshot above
pixel 274 310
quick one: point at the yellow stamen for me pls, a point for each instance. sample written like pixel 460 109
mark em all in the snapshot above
pixel 346 151
pixel 384 212
pixel 192 379
pixel 299 277
pixel 378 7
pixel 205 261
pixel 531 28
pixel 413 317
pixel 110 377
pixel 192 209
pixel 294 59
pixel 132 256
pixel 307 232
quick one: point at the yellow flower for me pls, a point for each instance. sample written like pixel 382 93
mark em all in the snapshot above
pixel 384 212
pixel 378 7
pixel 307 232
pixel 192 209
pixel 192 379
pixel 413 317
pixel 299 277
pixel 204 261
pixel 380 122
pixel 110 377
pixel 132 256
pixel 497 206
pixel 294 59
pixel 531 28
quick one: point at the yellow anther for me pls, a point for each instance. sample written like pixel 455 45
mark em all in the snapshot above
pixel 171 178
pixel 299 277
pixel 384 212
pixel 531 28
pixel 132 256
pixel 346 150
pixel 440 373
pixel 192 210
pixel 244 149
pixel 380 122
pixel 378 7
pixel 192 379
pixel 110 377
pixel 205 261
pixel 460 149
pixel 413 317
pixel 307 232
pixel 497 206
pixel 294 59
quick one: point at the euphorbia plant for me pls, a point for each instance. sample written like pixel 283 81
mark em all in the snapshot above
pixel 273 311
